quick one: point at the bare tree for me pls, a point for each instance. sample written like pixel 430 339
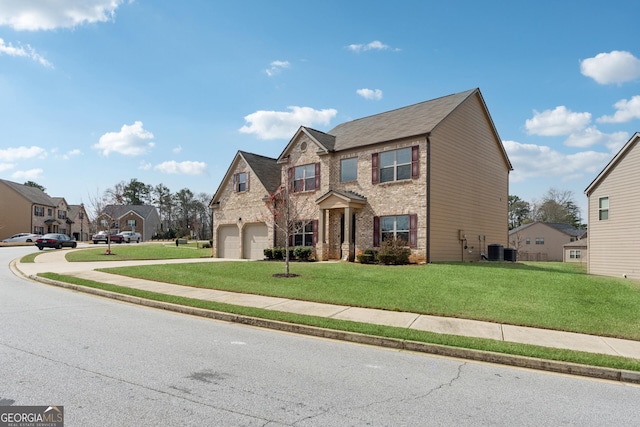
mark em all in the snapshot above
pixel 289 215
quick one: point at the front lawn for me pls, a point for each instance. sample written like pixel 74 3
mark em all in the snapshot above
pixel 548 295
pixel 133 251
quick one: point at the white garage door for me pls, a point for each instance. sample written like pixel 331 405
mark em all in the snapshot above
pixel 228 241
pixel 255 239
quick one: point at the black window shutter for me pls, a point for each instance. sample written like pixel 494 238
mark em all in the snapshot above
pixel 376 231
pixel 235 182
pixel 374 168
pixel 247 184
pixel 291 187
pixel 415 162
pixel 315 232
pixel 317 176
pixel 413 230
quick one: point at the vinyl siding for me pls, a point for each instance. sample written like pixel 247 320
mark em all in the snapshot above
pixel 16 213
pixel 469 185
pixel 613 243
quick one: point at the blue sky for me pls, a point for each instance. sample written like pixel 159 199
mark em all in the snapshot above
pixel 95 92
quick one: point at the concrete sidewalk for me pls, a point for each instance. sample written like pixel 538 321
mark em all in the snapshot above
pixel 54 261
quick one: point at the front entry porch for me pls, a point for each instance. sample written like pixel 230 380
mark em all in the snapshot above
pixel 337 225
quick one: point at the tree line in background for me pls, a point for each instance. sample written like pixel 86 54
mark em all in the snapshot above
pixel 556 206
pixel 181 214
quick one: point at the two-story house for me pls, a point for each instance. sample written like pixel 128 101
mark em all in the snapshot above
pixel 29 209
pixel 143 219
pixel 434 174
pixel 544 241
pixel 614 203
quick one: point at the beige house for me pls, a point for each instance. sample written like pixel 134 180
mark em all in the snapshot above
pixel 80 222
pixel 614 206
pixel 25 209
pixel 576 251
pixel 435 174
pixel 143 219
pixel 543 241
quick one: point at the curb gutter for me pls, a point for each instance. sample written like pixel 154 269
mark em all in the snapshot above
pixel 603 373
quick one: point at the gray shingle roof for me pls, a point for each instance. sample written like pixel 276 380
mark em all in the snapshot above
pixel 417 119
pixel 33 194
pixel 266 169
pixel 116 211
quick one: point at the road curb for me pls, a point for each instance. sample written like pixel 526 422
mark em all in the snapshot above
pixel 568 368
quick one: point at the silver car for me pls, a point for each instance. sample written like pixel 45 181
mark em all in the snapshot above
pixel 22 238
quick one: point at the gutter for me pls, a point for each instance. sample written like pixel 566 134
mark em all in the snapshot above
pixel 428 198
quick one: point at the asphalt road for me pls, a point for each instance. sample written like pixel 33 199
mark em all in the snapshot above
pixel 115 364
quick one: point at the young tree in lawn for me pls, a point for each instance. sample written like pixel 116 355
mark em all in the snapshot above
pixel 289 215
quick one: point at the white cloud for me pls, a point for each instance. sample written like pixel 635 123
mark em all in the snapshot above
pixel 28 175
pixel 12 154
pixel 25 52
pixel 283 124
pixel 374 45
pixel 559 121
pixel 535 161
pixel 177 150
pixel 34 15
pixel 69 154
pixel 6 166
pixel 182 168
pixel 613 67
pixel 131 140
pixel 592 136
pixel 276 67
pixel 374 94
pixel 627 111
pixel 144 166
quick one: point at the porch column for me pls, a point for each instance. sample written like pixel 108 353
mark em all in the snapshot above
pixel 321 233
pixel 347 247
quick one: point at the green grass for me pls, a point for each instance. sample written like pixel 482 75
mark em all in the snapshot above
pixel 376 330
pixel 29 258
pixel 131 251
pixel 547 295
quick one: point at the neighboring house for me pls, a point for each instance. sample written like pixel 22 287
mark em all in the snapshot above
pixel 543 241
pixel 614 206
pixel 435 174
pixel 576 251
pixel 29 209
pixel 80 222
pixel 143 219
pixel 61 219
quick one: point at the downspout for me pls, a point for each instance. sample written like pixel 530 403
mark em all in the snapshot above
pixel 428 198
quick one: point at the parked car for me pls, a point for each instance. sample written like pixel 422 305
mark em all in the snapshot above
pixel 56 241
pixel 101 237
pixel 131 236
pixel 22 238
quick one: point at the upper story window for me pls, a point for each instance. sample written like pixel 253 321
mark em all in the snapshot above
pixel 62 214
pixel 104 223
pixel 49 212
pixel 304 178
pixel 349 169
pixel 603 208
pixel 539 240
pixel 131 223
pixel 395 165
pixel 241 182
pixel 38 211
pixel 527 241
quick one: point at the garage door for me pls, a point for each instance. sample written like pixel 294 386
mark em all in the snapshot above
pixel 228 241
pixel 255 239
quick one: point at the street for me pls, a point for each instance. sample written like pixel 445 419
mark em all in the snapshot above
pixel 115 364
